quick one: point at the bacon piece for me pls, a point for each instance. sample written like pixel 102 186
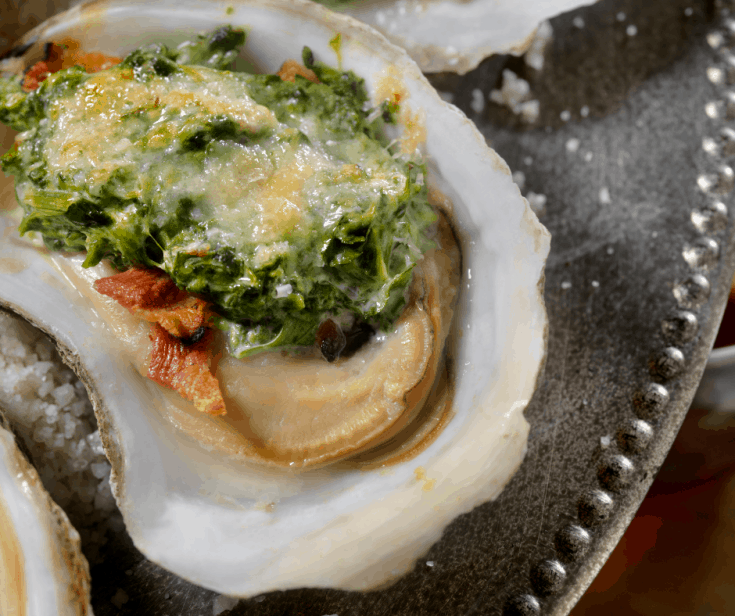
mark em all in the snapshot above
pixel 185 369
pixel 140 287
pixel 181 319
pixel 41 70
pixel 290 68
pixel 66 55
pixel 150 294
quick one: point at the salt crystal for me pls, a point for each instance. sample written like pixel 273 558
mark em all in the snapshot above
pixel 478 101
pixel 78 465
pixel 595 284
pixel 41 368
pixel 429 563
pixel 222 603
pixel 534 57
pixel 689 11
pixel 584 111
pixel 46 388
pixel 12 347
pixel 605 196
pixel 70 425
pixel 52 412
pixel 588 157
pixel 572 145
pixel 78 408
pixel 565 115
pixel 78 448
pixel 620 16
pixel 519 178
pixel 513 91
pixel 578 22
pixel 566 285
pixel 529 111
pixel 95 443
pixel 605 441
pixel 100 469
pixel 34 411
pixel 537 202
pixel 528 160
pixel 631 30
pixel 43 435
pixel 64 394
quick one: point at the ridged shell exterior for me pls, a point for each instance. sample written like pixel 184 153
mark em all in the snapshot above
pixel 243 530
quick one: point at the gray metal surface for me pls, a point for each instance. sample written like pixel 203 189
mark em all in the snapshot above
pixel 635 289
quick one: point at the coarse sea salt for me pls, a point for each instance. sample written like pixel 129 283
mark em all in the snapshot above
pixel 64 394
pixel 49 410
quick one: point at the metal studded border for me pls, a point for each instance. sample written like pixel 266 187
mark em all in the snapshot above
pixel 617 466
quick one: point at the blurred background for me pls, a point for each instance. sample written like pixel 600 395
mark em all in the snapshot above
pixel 678 555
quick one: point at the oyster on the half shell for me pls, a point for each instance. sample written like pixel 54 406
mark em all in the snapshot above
pixel 456 35
pixel 230 522
pixel 42 569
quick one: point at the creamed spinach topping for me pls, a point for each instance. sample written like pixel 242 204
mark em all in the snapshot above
pixel 279 202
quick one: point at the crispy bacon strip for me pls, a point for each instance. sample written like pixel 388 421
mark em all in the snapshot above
pixel 140 287
pixel 66 55
pixel 181 319
pixel 41 70
pixel 150 294
pixel 185 369
pixel 290 68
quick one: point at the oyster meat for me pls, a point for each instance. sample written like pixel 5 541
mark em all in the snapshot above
pixel 220 513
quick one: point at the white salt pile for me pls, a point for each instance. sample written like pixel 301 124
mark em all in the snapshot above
pixel 49 410
pixel 515 93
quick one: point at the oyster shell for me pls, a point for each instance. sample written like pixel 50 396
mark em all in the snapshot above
pixel 456 35
pixel 241 527
pixel 42 570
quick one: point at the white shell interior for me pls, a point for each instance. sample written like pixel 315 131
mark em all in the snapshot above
pixel 456 35
pixel 42 570
pixel 243 530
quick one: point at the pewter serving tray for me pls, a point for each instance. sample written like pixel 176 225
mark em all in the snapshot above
pixel 638 200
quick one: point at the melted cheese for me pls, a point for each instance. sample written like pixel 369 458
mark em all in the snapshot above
pixel 89 124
